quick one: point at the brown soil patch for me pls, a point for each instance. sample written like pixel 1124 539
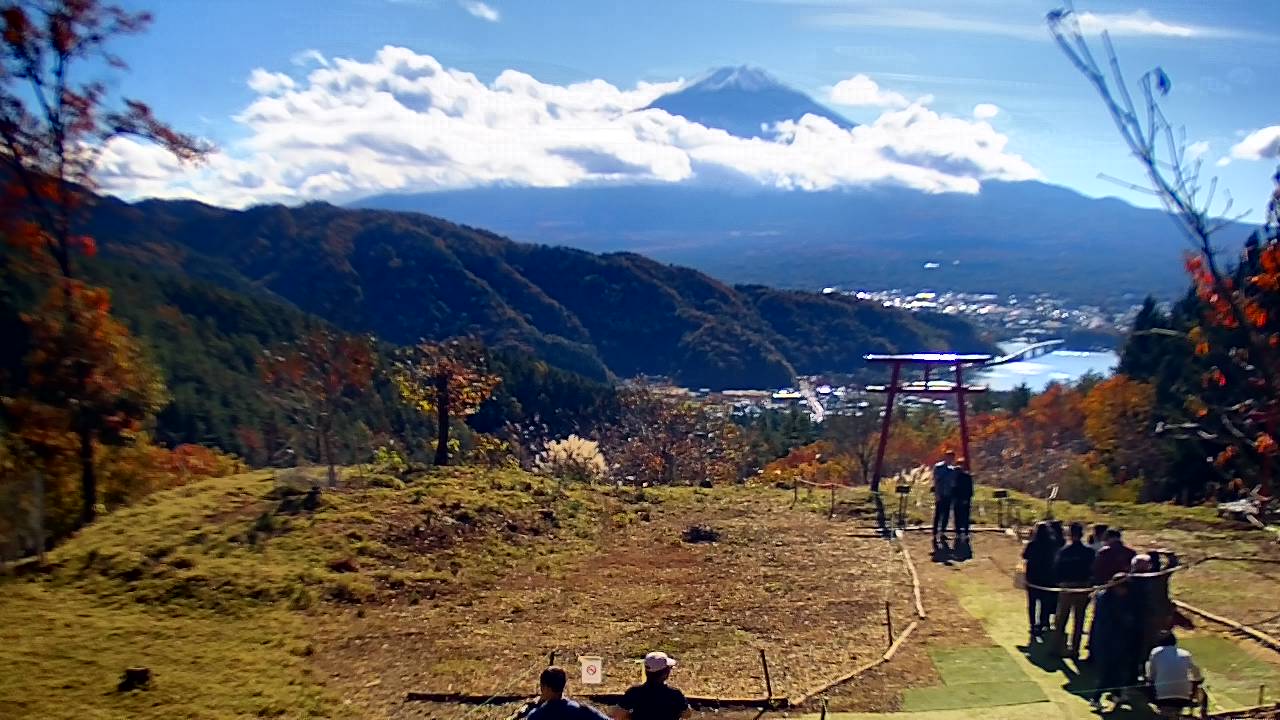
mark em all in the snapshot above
pixel 947 626
pixel 803 588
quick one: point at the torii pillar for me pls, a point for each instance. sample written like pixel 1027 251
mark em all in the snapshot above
pixel 927 361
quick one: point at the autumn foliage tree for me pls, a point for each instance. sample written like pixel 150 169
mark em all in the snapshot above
pixel 1236 404
pixel 856 435
pixel 84 360
pixel 314 379
pixel 662 440
pixel 447 380
pixel 1119 418
pixel 53 130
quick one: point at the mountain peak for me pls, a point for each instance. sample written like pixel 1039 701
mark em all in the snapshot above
pixel 743 100
pixel 742 77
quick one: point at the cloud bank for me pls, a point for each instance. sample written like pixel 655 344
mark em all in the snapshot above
pixel 402 122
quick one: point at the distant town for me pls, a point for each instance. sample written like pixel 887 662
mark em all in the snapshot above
pixel 1012 318
pixel 1017 318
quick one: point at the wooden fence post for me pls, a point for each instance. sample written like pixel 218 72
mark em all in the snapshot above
pixel 768 683
pixel 888 621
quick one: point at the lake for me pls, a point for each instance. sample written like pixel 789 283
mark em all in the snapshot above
pixel 1060 366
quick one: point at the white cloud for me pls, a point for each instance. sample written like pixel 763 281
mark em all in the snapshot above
pixel 985 111
pixel 269 83
pixel 402 122
pixel 481 10
pixel 1263 144
pixel 861 90
pixel 929 20
pixel 310 56
pixel 1137 23
pixel 1141 22
pixel 1197 150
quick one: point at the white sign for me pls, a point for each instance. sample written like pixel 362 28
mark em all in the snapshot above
pixel 592 669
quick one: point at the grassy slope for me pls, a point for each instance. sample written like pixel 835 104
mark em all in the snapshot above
pixel 220 589
pixel 213 587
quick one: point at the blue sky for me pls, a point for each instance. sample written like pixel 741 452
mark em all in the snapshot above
pixel 195 65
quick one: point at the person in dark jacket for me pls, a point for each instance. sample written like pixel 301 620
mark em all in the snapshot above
pixel 1073 568
pixel 654 699
pixel 553 705
pixel 1059 533
pixel 1113 641
pixel 1039 555
pixel 944 480
pixel 1114 557
pixel 962 499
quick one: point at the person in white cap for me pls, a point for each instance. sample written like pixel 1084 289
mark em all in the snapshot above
pixel 654 699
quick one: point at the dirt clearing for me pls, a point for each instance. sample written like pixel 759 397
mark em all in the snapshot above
pixel 806 590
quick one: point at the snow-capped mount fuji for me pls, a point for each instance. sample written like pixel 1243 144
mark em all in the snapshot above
pixel 744 101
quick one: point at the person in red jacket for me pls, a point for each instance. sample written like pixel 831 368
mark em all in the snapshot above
pixel 1114 557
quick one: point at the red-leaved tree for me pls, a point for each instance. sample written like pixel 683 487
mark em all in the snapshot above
pixel 314 379
pixel 53 129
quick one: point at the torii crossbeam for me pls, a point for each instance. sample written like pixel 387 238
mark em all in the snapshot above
pixel 949 362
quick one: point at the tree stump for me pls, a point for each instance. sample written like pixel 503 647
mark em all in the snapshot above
pixel 135 678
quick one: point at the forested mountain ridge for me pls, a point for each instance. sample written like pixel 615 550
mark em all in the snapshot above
pixel 405 276
pixel 1011 237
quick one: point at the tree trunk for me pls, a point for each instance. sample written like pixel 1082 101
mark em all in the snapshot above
pixel 88 480
pixel 442 419
pixel 326 447
pixel 37 515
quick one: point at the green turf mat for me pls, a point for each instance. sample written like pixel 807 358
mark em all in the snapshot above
pixel 1232 675
pixel 1224 657
pixel 971 695
pixel 1034 711
pixel 976 665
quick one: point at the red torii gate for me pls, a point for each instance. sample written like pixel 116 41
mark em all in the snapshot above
pixel 927 361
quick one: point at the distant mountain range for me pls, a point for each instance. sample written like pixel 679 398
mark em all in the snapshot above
pixel 403 277
pixel 745 101
pixel 1020 237
pixel 1012 237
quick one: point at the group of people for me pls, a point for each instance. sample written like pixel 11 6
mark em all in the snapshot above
pixel 1131 641
pixel 952 496
pixel 652 699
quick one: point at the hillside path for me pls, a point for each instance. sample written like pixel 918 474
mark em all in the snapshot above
pixel 982 587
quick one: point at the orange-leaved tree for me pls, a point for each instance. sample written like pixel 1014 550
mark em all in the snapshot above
pixel 448 380
pixel 314 379
pixel 1119 415
pixel 53 131
pixel 84 359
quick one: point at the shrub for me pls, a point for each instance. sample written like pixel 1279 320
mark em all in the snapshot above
pixel 489 451
pixel 573 458
pixel 389 460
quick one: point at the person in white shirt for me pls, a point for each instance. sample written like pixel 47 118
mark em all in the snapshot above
pixel 1174 677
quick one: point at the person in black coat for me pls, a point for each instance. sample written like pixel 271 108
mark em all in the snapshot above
pixel 1114 642
pixel 1039 555
pixel 1072 569
pixel 962 499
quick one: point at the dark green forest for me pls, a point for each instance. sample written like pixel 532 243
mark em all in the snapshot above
pixel 405 276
